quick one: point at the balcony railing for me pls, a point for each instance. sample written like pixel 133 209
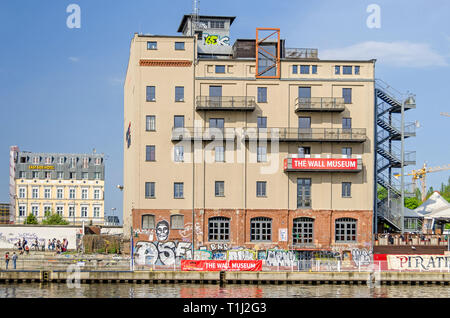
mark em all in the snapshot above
pixel 242 103
pixel 204 134
pixel 318 104
pixel 308 134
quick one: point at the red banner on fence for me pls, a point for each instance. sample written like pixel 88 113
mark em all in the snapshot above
pixel 212 266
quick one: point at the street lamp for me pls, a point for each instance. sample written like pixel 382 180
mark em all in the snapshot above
pixel 113 209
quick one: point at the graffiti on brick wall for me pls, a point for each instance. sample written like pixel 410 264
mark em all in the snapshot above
pixel 277 257
pixel 241 255
pixel 187 232
pixel 362 256
pixel 159 253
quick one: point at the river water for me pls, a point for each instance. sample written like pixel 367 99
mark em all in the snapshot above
pixel 53 290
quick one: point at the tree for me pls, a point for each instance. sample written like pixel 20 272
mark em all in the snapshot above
pixel 54 219
pixel 31 219
pixel 412 203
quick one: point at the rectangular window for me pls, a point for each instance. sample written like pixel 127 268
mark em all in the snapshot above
pixel 84 211
pixel 177 222
pixel 220 188
pixel 85 175
pixel 261 229
pixel 218 229
pixel 220 69
pixel 98 161
pixel 261 188
pixel 97 175
pixel 178 121
pixel 152 45
pixel 47 193
pixel 314 69
pixel 217 123
pixel 73 162
pixel 84 194
pixel 357 68
pixel 61 160
pixel 303 193
pixel 178 190
pixel 347 70
pixel 22 193
pixel 60 210
pixel 347 95
pixel 150 123
pixel 294 69
pixel 149 190
pixel 22 174
pixel 262 154
pixel 304 92
pixel 85 163
pixel 36 159
pixel 35 210
pixel 346 189
pixel 346 123
pixel 35 193
pixel 47 210
pixel 96 211
pixel 35 174
pixel 48 160
pixel 179 93
pixel 219 154
pixel 262 122
pixel 151 93
pixel 262 94
pixel 337 70
pixel 347 152
pixel 302 151
pixel 22 210
pixel 148 222
pixel 96 194
pixel 47 174
pixel 178 154
pixel 72 175
pixel 71 211
pixel 217 24
pixel 179 46
pixel 304 69
pixel 150 153
pixel 72 193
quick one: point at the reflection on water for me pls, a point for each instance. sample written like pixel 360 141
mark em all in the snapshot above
pixel 37 290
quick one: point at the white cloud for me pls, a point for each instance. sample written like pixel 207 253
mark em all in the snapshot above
pixel 74 59
pixel 401 53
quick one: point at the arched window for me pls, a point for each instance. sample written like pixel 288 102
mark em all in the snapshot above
pixel 345 230
pixel 219 229
pixel 261 229
pixel 303 231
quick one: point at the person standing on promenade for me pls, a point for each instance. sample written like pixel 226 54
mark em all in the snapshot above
pixel 7 259
pixel 14 259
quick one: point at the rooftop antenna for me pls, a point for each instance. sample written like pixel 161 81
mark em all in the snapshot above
pixel 195 13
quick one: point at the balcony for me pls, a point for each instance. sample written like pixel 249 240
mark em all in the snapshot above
pixel 307 134
pixel 226 103
pixel 203 134
pixel 319 104
pixel 318 163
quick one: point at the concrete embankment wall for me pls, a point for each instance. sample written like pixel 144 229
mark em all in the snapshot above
pixel 228 277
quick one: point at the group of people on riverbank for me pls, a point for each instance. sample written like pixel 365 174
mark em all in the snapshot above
pixel 13 257
pixel 57 245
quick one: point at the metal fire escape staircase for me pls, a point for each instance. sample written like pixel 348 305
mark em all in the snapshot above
pixel 389 103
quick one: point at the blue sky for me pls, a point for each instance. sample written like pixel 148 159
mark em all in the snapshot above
pixel 61 89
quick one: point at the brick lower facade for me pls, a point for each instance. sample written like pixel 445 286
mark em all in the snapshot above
pixel 239 231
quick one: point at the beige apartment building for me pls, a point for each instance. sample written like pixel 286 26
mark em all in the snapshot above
pixel 223 150
pixel 71 185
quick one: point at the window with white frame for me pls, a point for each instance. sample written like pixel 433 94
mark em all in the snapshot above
pixel 35 174
pixel 47 210
pixel 59 193
pixel 47 193
pixel 47 174
pixel 96 211
pixel 60 175
pixel 98 161
pixel 35 210
pixel 60 210
pixel 262 154
pixel 73 162
pixel 84 194
pixel 72 193
pixel 84 211
pixel 71 211
pixel 178 154
pixel 85 175
pixel 97 175
pixel 219 154
pixel 96 194
pixel 85 163
pixel 48 160
pixel 35 193
pixel 22 210
pixel 36 159
pixel 22 193
pixel 61 160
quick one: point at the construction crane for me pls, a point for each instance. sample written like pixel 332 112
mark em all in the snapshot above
pixel 420 174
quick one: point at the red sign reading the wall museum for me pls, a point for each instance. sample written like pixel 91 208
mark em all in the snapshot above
pixel 321 164
pixel 213 265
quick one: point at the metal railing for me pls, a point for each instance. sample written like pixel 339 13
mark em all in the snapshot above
pixel 308 134
pixel 200 133
pixel 226 102
pixel 409 239
pixel 301 53
pixel 319 104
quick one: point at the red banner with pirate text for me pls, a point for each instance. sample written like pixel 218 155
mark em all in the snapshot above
pixel 213 266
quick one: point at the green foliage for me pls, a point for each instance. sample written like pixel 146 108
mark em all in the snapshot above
pixel 412 203
pixel 381 192
pixel 54 219
pixel 31 219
